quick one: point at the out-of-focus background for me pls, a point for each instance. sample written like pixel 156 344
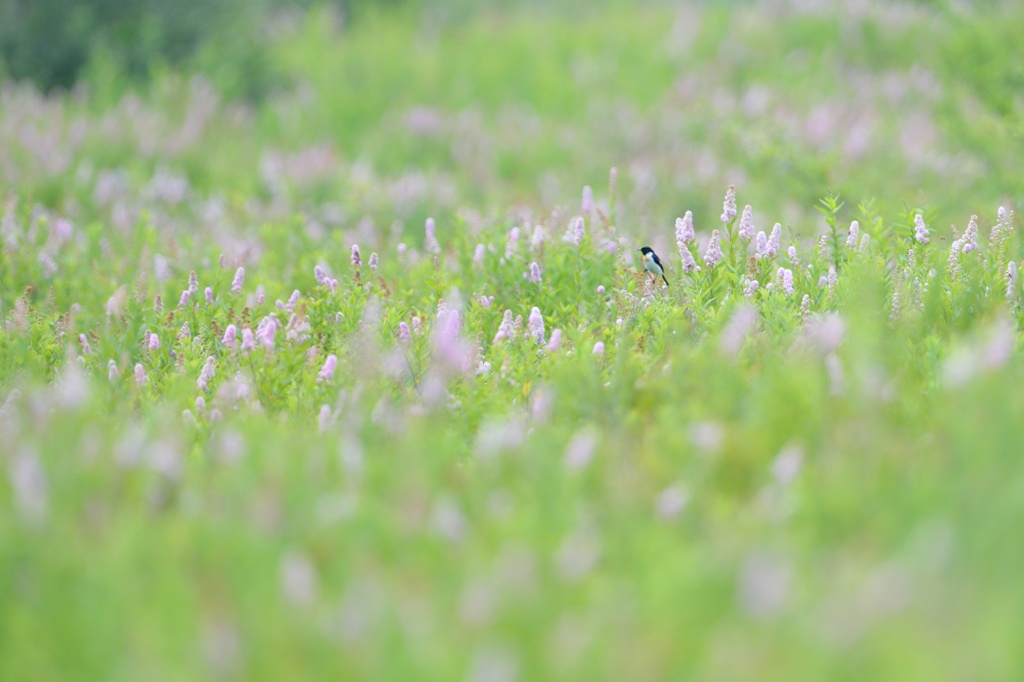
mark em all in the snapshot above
pixel 472 103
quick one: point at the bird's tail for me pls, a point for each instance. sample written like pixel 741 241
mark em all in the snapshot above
pixel 663 277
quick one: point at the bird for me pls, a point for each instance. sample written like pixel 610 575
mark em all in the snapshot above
pixel 652 263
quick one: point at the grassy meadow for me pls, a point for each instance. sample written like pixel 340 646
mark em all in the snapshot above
pixel 364 378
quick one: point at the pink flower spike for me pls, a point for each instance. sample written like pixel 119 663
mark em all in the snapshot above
pixel 183 301
pixel 327 373
pixel 536 324
pixel 432 246
pixel 478 255
pixel 761 245
pixel 774 240
pixel 209 295
pixel 746 230
pixel 140 374
pixel 230 336
pixel 248 340
pixel 356 259
pixel 535 273
pixel 684 230
pixel 403 332
pixel 507 328
pixel 729 205
pixel 84 342
pixel 374 261
pixel 598 348
pixel 587 204
pixel 574 234
pixel 320 275
pixel 920 231
pixel 236 283
pixel 193 283
pixel 555 341
pixel 854 235
pixel 154 342
pixel 204 377
pixel 113 373
pixel 600 288
pixel 714 251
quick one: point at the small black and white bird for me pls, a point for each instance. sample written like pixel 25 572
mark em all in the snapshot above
pixel 652 263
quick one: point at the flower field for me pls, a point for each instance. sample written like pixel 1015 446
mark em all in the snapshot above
pixel 367 380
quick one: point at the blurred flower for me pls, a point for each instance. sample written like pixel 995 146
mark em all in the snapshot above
pixel 356 258
pixel 671 501
pixel 689 264
pixel 760 245
pixel 537 326
pixel 598 348
pixel 113 373
pixel 729 205
pixel 746 229
pixel 512 243
pixel 266 330
pixel 327 372
pixel 293 300
pixel 320 276
pixel 574 233
pixel 600 288
pixel 403 332
pixel 506 330
pixel 825 332
pixel 206 374
pixel 230 336
pixel 750 287
pixel 587 204
pixel 432 246
pixel 970 238
pixel 785 277
pixel 183 301
pixel 158 304
pixel 208 293
pixel 298 579
pixel 535 273
pixel 792 255
pixel 238 280
pixel 787 463
pixel 154 342
pixel 764 585
pixel 953 262
pixel 478 255
pixel 374 260
pixel 140 374
pixel 920 231
pixel 713 254
pixel 555 341
pixel 324 418
pixel 707 436
pixel 83 341
pixel 28 483
pixel 835 374
pixel 580 449
pixel 248 340
pixel 851 238
pixel 1011 280
pixel 450 352
pixel 684 230
pixel 736 330
pixel 774 240
pixel 865 243
pixel 193 283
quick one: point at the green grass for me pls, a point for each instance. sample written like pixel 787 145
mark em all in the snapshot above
pixel 816 484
